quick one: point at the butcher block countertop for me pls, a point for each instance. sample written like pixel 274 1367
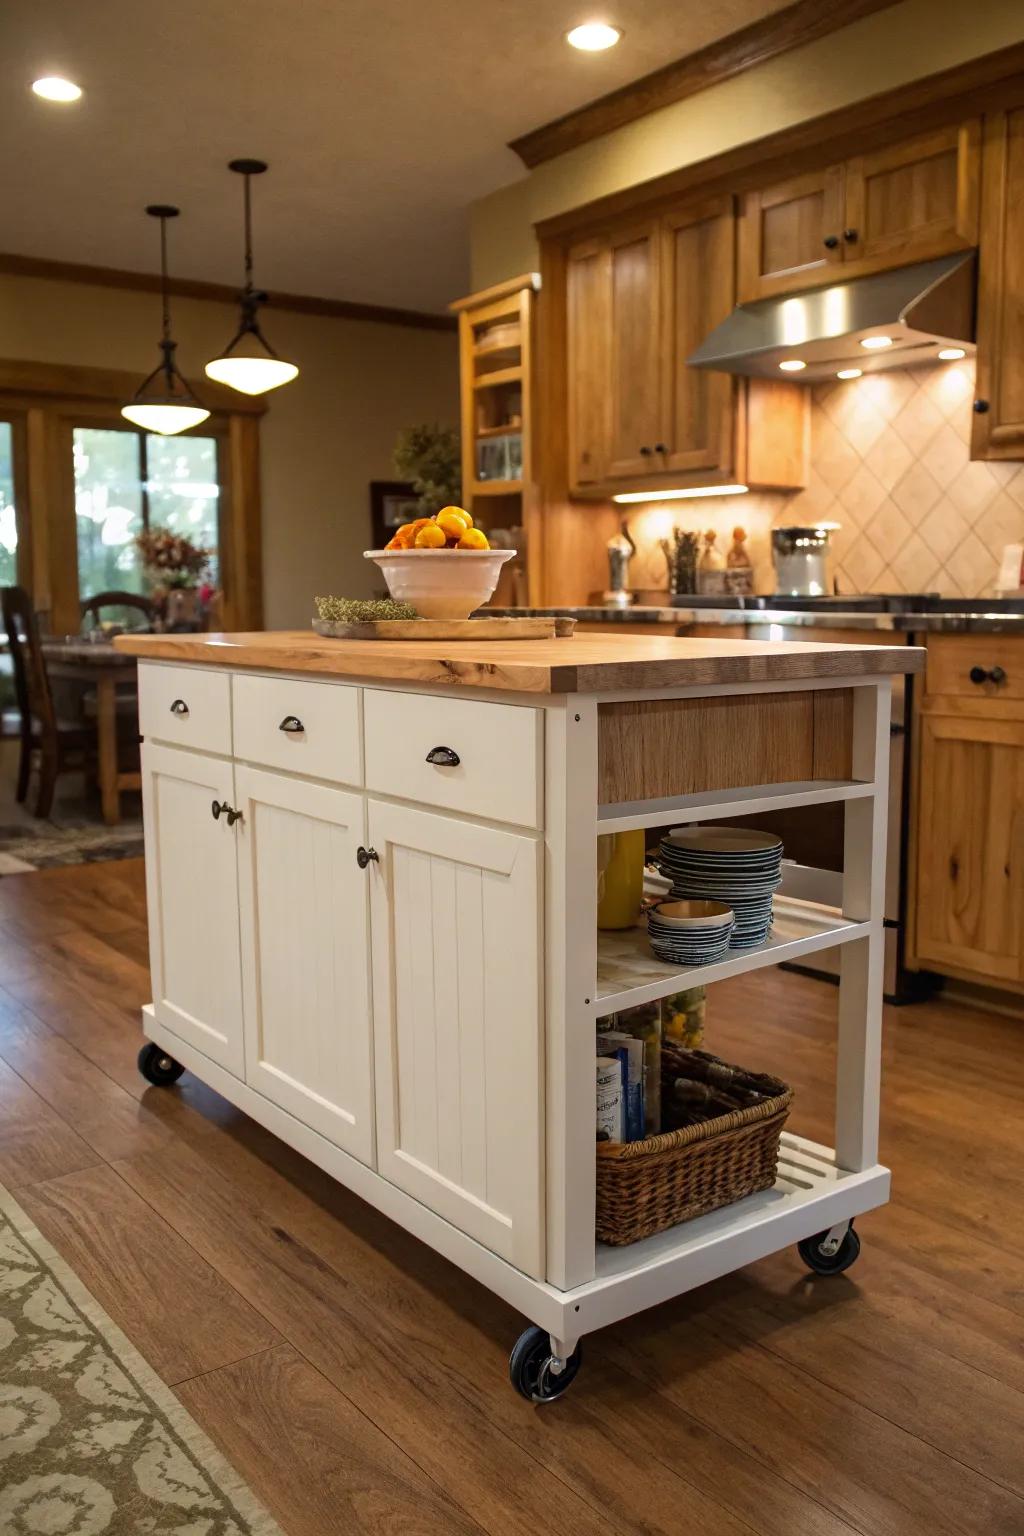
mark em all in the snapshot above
pixel 577 664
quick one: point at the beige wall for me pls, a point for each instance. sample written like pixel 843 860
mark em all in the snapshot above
pixel 323 439
pixel 880 53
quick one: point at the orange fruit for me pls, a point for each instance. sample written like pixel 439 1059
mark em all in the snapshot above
pixel 474 538
pixel 452 521
pixel 461 511
pixel 430 536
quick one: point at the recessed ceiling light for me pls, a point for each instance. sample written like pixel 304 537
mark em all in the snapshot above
pixel 793 365
pixel 54 88
pixel 593 36
pixel 849 373
pixel 876 343
pixel 951 354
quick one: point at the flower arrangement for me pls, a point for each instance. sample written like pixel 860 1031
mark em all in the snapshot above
pixel 170 559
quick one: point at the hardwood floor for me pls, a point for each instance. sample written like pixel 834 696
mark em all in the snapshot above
pixel 358 1381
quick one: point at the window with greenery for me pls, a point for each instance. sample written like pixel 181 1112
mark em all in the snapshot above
pixel 8 521
pixel 128 481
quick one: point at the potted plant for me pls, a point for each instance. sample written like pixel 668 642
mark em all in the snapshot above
pixel 429 456
pixel 173 566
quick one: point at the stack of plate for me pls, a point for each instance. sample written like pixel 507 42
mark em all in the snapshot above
pixel 690 932
pixel 731 864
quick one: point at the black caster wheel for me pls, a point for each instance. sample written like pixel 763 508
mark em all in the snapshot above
pixel 529 1368
pixel 157 1067
pixel 830 1263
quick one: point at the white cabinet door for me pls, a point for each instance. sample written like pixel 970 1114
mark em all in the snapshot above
pixel 455 913
pixel 305 958
pixel 192 894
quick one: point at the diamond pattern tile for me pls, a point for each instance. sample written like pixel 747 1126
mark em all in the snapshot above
pixel 890 462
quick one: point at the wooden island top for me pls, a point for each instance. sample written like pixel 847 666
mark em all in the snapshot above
pixel 575 664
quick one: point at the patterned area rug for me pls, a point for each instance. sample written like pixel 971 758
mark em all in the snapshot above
pixel 91 1441
pixel 46 844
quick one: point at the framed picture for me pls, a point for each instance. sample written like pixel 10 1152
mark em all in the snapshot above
pixel 392 503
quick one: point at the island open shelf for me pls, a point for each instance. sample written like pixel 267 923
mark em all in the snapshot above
pixel 628 974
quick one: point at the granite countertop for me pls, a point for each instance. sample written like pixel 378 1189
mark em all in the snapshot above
pixel 576 664
pixel 967 622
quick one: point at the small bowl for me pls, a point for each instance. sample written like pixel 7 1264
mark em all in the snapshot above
pixel 693 914
pixel 441 583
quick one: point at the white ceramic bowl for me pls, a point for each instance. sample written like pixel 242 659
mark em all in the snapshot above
pixel 441 583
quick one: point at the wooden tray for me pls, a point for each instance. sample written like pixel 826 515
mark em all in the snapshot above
pixel 447 629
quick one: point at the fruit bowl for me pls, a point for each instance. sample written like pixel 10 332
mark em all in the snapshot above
pixel 441 583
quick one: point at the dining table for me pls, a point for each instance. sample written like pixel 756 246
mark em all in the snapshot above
pixel 97 664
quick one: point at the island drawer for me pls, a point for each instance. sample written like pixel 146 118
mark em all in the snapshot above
pixel 497 768
pixel 186 706
pixel 302 727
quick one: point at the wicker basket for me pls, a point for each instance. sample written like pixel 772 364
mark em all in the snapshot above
pixel 645 1186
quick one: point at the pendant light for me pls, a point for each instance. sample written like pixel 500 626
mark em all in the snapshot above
pixel 248 362
pixel 164 402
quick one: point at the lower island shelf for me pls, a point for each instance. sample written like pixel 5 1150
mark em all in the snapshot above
pixel 628 974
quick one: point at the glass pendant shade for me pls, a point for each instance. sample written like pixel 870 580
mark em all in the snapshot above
pixel 164 402
pixel 248 362
pixel 249 365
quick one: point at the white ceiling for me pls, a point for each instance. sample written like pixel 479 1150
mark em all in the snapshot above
pixel 382 121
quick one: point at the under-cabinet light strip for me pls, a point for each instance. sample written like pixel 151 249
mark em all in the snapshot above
pixel 682 495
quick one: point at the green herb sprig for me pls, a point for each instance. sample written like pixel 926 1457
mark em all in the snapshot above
pixel 357 610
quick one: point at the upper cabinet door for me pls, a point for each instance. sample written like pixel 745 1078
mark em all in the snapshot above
pixel 635 446
pixel 305 954
pixel 698 292
pixel 999 408
pixel 192 896
pixel 914 200
pixel 588 360
pixel 791 234
pixel 457 985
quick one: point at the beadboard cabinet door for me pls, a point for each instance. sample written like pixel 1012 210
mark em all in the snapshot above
pixel 192 896
pixel 455 911
pixel 304 907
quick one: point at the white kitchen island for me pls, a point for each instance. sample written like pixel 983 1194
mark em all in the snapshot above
pixel 371 877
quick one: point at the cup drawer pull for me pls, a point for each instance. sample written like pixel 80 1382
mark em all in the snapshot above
pixel 292 725
pixel 444 757
pixel 179 707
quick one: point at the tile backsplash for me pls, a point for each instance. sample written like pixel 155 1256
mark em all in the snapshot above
pixel 890 462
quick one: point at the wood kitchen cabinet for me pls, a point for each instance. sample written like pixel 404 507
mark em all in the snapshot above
pixel 638 301
pixel 967 827
pixel 909 201
pixel 998 431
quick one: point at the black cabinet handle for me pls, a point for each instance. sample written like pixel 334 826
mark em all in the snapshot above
pixel 292 724
pixel 660 448
pixel 830 242
pixel 444 757
pixel 216 808
pixel 981 675
pixel 645 453
pixel 849 235
pixel 981 407
pixel 179 707
pixel 233 816
pixel 366 856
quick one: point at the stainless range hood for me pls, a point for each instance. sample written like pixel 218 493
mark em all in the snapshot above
pixel 921 310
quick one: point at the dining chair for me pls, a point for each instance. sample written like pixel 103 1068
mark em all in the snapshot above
pixel 61 745
pixel 101 600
